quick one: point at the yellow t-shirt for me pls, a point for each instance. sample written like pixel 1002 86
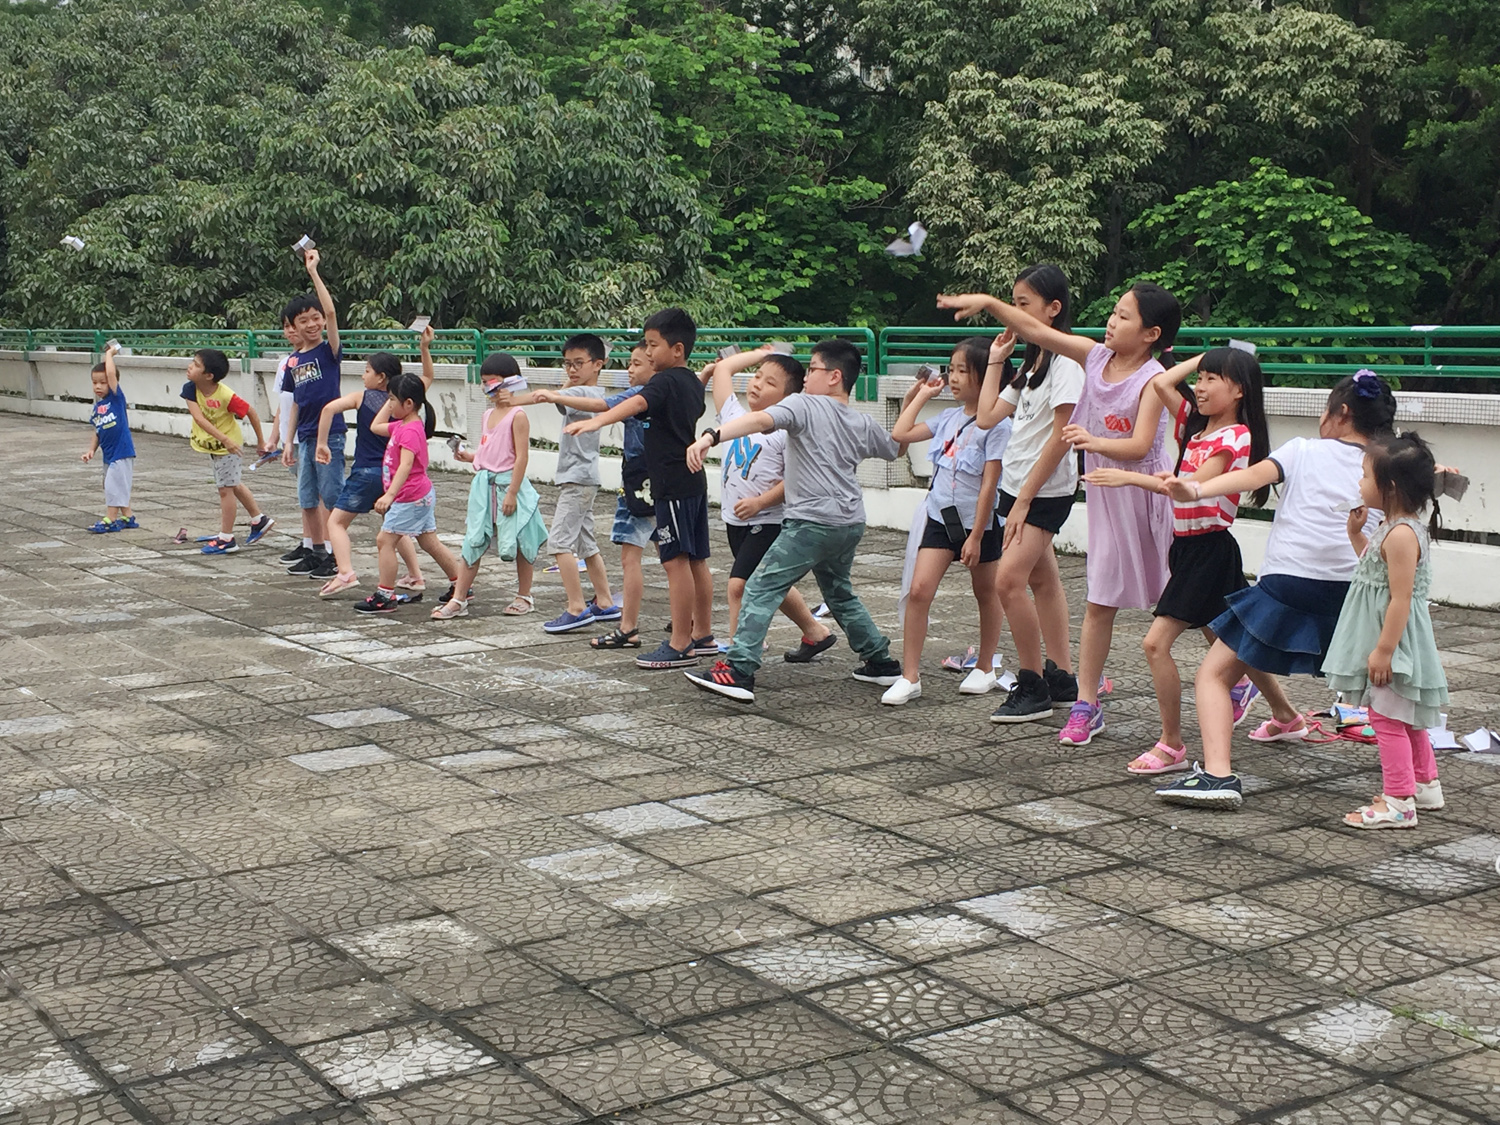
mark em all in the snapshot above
pixel 223 409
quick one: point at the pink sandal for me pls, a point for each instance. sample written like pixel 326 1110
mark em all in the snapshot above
pixel 407 582
pixel 1273 731
pixel 1161 758
pixel 338 584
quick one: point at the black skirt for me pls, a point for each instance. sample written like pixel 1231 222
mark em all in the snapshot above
pixel 1205 569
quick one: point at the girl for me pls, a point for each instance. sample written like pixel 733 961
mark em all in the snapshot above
pixel 1038 481
pixel 961 521
pixel 1222 430
pixel 409 501
pixel 1383 652
pixel 1129 531
pixel 1283 623
pixel 364 483
pixel 502 502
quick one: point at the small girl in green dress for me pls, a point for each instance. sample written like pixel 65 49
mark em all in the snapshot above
pixel 1383 653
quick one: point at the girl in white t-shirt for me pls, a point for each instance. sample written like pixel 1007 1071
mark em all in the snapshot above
pixel 1283 624
pixel 1038 483
pixel 1220 429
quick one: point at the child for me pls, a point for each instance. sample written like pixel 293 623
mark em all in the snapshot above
pixel 216 411
pixel 825 518
pixel 1129 532
pixel 672 403
pixel 1038 486
pixel 364 482
pixel 313 376
pixel 1283 624
pixel 409 502
pixel 1222 431
pixel 961 521
pixel 753 490
pixel 572 534
pixel 1383 652
pixel 503 505
pixel 111 420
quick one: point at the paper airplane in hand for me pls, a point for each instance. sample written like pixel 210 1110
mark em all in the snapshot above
pixel 912 245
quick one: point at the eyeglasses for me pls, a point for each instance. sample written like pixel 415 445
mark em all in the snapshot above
pixel 576 364
pixel 811 370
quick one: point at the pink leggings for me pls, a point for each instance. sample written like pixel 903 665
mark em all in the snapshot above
pixel 1405 755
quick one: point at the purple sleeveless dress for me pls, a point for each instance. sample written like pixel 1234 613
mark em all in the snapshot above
pixel 1130 529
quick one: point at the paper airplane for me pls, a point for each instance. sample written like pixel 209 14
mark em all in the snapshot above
pixel 1451 484
pixel 910 246
pixel 72 241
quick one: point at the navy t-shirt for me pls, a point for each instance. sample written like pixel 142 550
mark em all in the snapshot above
pixel 313 378
pixel 112 424
pixel 674 402
pixel 369 448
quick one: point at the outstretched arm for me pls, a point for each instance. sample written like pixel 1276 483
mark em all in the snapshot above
pixel 311 259
pixel 753 422
pixel 1026 326
pixel 635 404
pixel 1259 475
pixel 111 373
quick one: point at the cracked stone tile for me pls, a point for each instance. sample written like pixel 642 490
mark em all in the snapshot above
pixel 492 1096
pixel 1033 911
pixel 328 1013
pixel 741 1104
pixel 1468 1081
pixel 632 1072
pixel 684 991
pixel 1235 922
pixel 402 945
pixel 1264 1074
pixel 732 804
pixel 1462 999
pixel 344 758
pixel 923 936
pixel 236 1093
pixel 1120 1097
pixel 771 1037
pixel 1023 973
pixel 42 1074
pixel 1359 1034
pixel 393 1058
pixel 637 820
pixel 899 1005
pixel 164 1048
pixel 1374 1105
pixel 879 1088
pixel 359 717
pixel 1005 1053
pixel 593 865
pixel 1128 1020
pixel 810 962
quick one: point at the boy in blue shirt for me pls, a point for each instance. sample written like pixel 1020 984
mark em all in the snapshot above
pixel 313 376
pixel 112 439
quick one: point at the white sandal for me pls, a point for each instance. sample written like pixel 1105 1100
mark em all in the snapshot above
pixel 407 582
pixel 451 609
pixel 516 609
pixel 1396 812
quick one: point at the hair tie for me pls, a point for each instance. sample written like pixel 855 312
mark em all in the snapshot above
pixel 1367 384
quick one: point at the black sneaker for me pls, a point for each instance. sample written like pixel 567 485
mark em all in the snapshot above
pixel 1199 788
pixel 377 603
pixel 1027 701
pixel 448 594
pixel 1061 686
pixel 296 554
pixel 325 567
pixel 882 672
pixel 808 650
pixel 724 680
pixel 306 564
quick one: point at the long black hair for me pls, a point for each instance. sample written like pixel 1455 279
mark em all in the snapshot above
pixel 1405 469
pixel 385 364
pixel 1243 370
pixel 406 387
pixel 1050 284
pixel 1369 400
pixel 1159 309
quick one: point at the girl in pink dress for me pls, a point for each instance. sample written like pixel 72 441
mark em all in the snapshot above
pixel 1118 423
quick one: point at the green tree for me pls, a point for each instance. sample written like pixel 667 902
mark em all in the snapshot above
pixel 389 21
pixel 1278 249
pixel 189 145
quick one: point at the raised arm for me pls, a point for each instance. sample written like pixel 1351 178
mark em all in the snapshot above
pixel 992 411
pixel 380 425
pixel 1165 384
pixel 724 371
pixel 311 259
pixel 907 429
pixel 111 373
pixel 1026 326
pixel 429 373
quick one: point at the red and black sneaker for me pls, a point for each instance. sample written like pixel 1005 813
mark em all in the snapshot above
pixel 377 603
pixel 726 681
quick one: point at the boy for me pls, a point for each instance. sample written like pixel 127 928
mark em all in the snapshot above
pixel 672 403
pixel 313 376
pixel 571 536
pixel 112 438
pixel 753 488
pixel 825 517
pixel 216 412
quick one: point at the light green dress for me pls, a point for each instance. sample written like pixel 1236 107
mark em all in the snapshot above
pixel 1418 690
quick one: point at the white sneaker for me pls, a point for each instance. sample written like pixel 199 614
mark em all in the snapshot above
pixel 1429 795
pixel 977 683
pixel 902 691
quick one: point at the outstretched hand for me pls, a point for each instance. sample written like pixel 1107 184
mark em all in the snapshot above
pixel 965 305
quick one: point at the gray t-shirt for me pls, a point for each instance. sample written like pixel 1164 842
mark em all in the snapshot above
pixel 578 455
pixel 826 440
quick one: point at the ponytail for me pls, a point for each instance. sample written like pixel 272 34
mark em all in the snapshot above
pixel 406 387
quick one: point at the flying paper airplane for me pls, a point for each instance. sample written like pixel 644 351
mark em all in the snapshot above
pixel 907 247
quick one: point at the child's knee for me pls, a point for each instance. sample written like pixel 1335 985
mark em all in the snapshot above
pixel 736 587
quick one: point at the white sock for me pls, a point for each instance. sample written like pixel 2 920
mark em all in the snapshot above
pixel 327 547
pixel 307 542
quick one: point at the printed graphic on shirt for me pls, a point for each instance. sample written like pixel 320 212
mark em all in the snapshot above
pixel 741 457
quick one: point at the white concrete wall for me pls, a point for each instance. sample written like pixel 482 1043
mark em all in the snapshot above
pixel 1463 429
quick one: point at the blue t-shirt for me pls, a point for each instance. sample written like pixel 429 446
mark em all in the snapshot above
pixel 635 429
pixel 313 378
pixel 369 448
pixel 112 424
pixel 959 451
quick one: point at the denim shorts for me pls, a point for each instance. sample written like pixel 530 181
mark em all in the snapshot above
pixel 317 482
pixel 361 489
pixel 631 528
pixel 416 518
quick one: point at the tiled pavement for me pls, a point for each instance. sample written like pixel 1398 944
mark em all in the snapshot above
pixel 261 860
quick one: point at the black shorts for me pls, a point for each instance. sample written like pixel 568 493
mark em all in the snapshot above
pixel 935 535
pixel 1205 569
pixel 681 528
pixel 748 545
pixel 1046 512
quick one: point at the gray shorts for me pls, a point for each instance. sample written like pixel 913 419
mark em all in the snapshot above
pixel 572 530
pixel 228 468
pixel 118 477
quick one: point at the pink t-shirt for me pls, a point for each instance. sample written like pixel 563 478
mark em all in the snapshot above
pixel 409 433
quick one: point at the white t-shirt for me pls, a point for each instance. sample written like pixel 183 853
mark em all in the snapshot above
pixel 1309 536
pixel 1063 386
pixel 752 465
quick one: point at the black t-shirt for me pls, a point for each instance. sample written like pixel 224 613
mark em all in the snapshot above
pixel 674 403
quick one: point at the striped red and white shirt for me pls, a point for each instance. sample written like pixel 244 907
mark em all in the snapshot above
pixel 1212 513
